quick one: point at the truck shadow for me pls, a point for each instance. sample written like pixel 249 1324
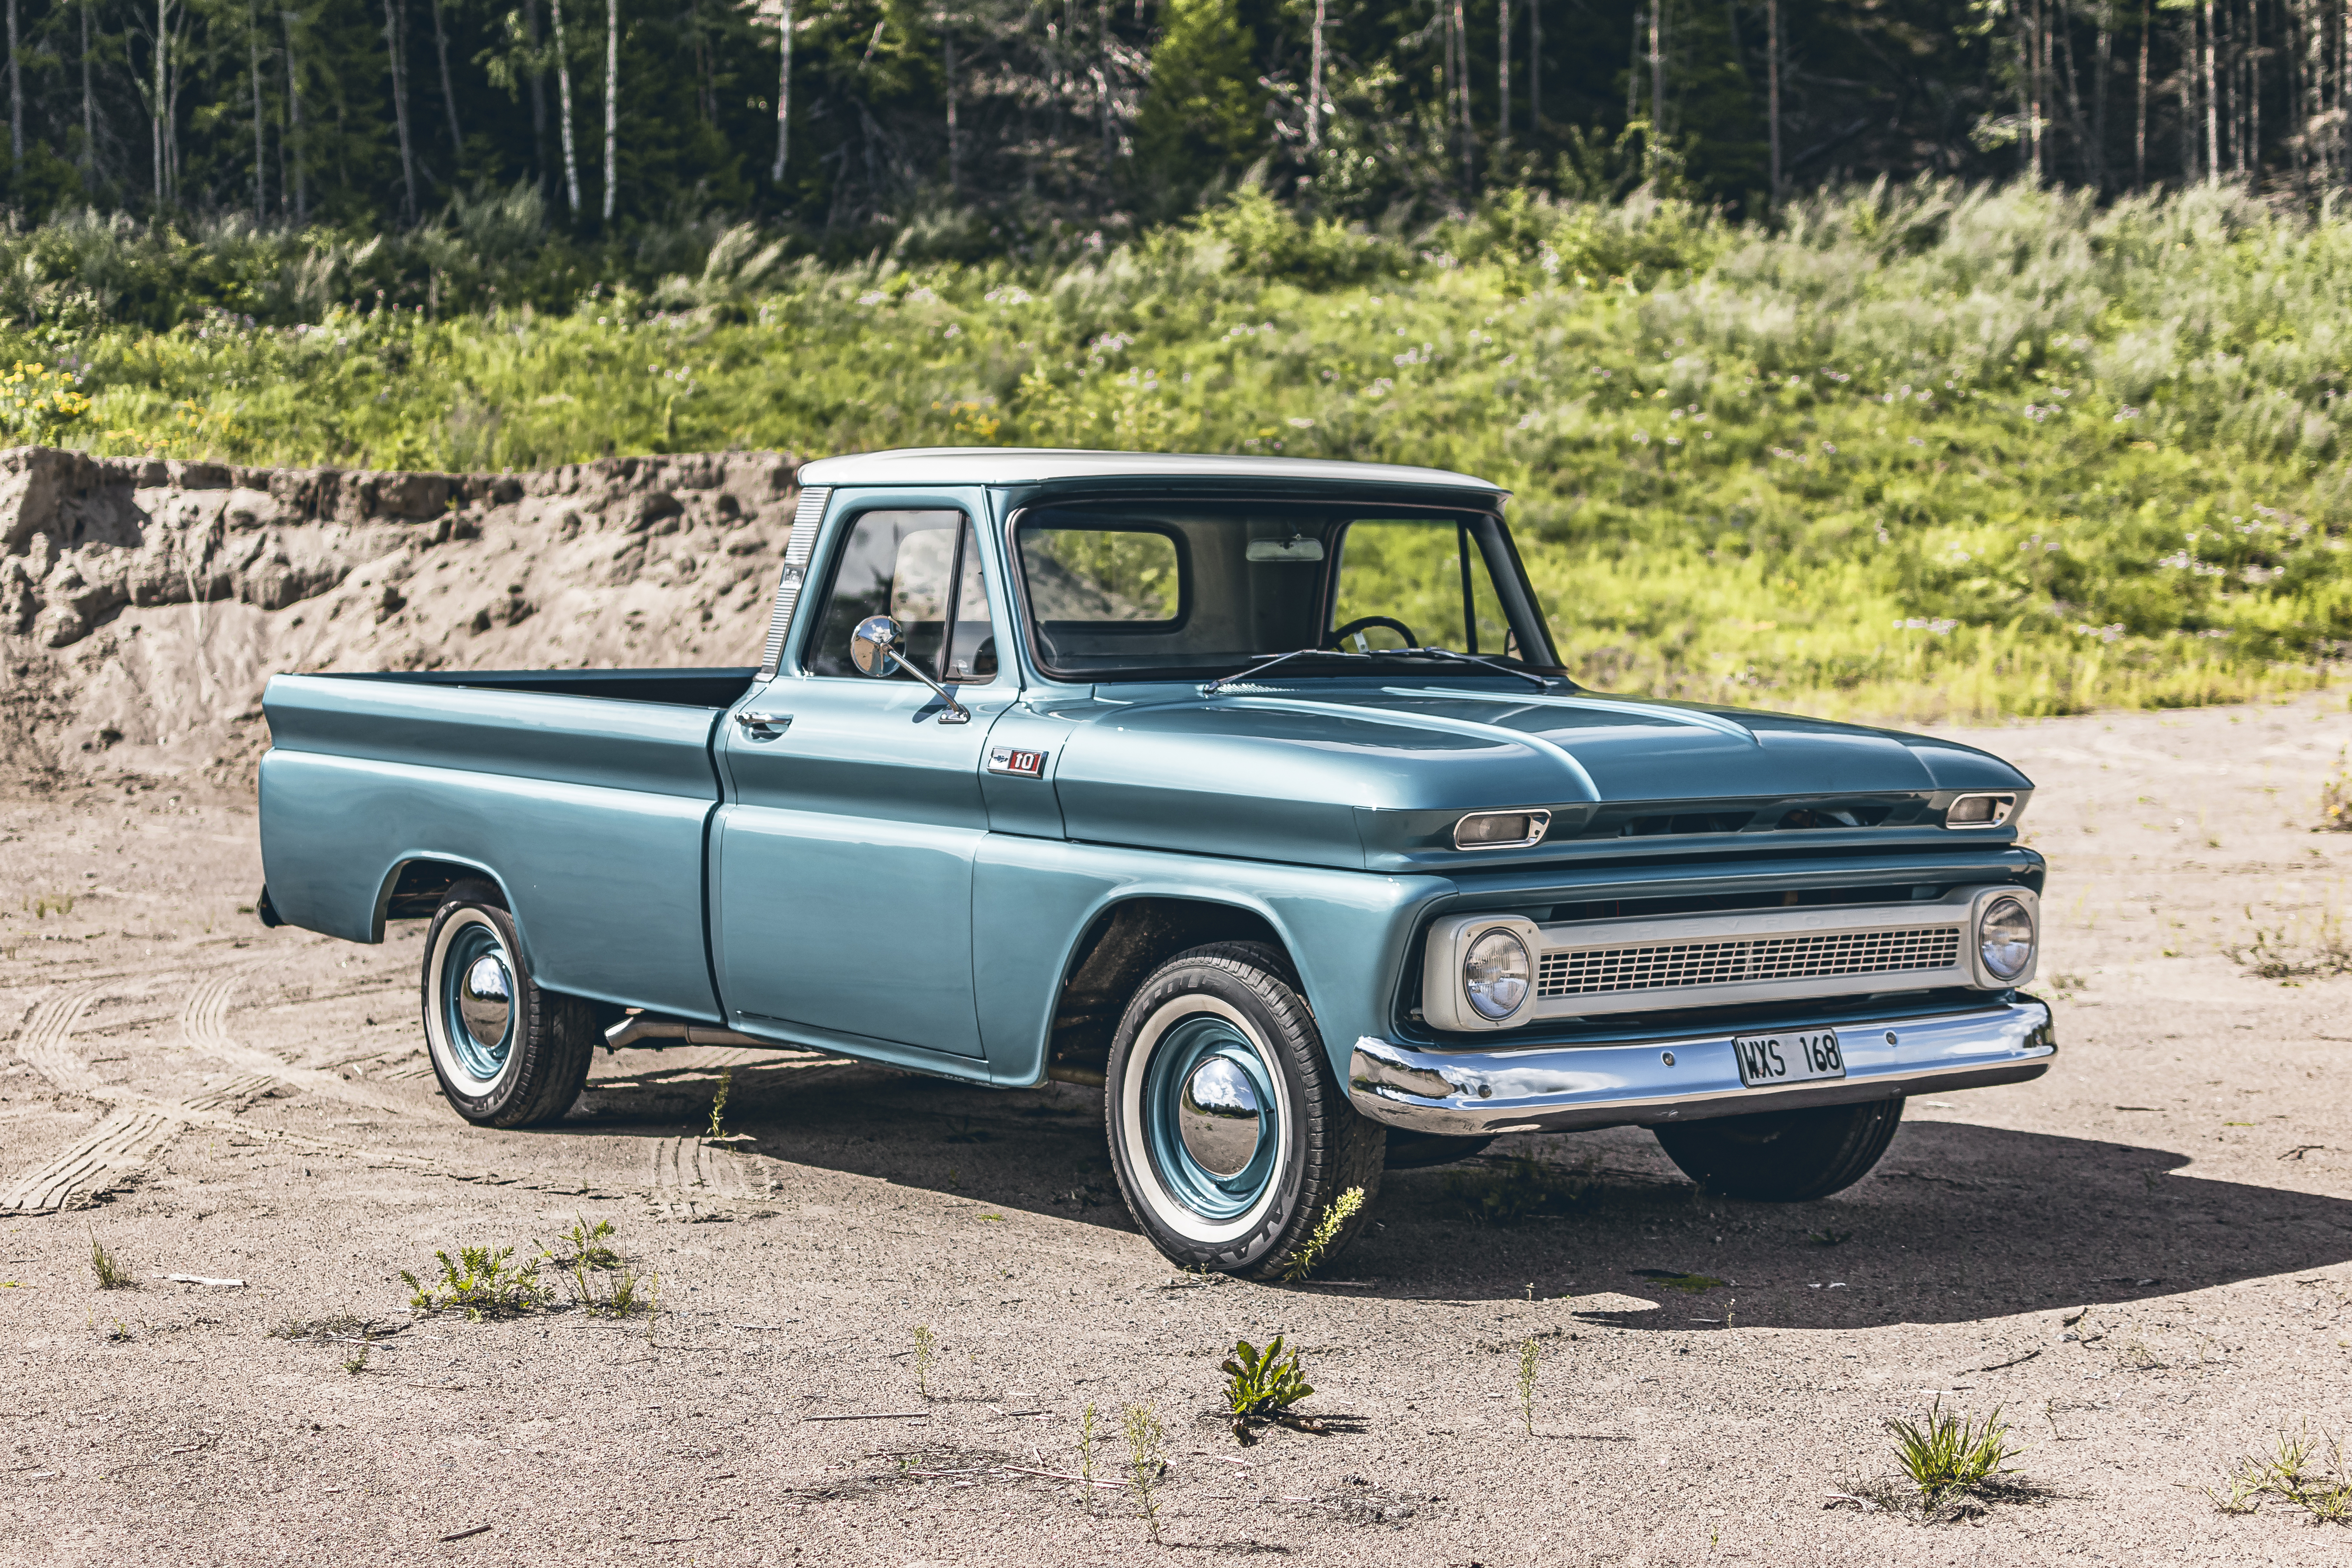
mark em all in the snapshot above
pixel 1959 1222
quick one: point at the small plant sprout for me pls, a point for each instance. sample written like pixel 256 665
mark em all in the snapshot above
pixel 111 1275
pixel 1529 1364
pixel 484 1282
pixel 1261 1388
pixel 1951 1455
pixel 925 1342
pixel 1087 1452
pixel 1144 1464
pixel 589 1249
pixel 1328 1231
pixel 718 1103
pixel 358 1362
pixel 2292 1473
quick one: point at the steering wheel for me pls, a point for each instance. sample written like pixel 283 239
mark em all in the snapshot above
pixel 1365 622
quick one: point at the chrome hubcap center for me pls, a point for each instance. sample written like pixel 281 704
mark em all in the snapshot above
pixel 1218 1118
pixel 484 1000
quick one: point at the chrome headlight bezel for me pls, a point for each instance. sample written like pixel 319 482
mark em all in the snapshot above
pixel 1444 996
pixel 1987 905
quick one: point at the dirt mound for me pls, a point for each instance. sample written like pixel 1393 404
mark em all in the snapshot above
pixel 144 604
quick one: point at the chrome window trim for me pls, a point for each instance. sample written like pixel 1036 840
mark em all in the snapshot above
pixel 807 517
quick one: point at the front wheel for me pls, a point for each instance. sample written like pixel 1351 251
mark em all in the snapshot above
pixel 1783 1156
pixel 1231 1136
pixel 508 1054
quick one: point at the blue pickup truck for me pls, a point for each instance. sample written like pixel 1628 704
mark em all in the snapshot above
pixel 1251 790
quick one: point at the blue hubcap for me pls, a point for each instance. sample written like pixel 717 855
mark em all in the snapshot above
pixel 478 1001
pixel 1212 1114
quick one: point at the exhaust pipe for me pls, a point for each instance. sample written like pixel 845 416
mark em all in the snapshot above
pixel 657 1032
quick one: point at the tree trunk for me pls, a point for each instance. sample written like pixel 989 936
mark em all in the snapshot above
pixel 1315 78
pixel 448 92
pixel 784 97
pixel 2212 106
pixel 1657 79
pixel 2104 60
pixel 1102 67
pixel 88 105
pixel 564 101
pixel 538 95
pixel 1772 88
pixel 2139 124
pixel 400 111
pixel 293 153
pixel 955 138
pixel 16 96
pixel 1535 65
pixel 1502 72
pixel 163 95
pixel 260 144
pixel 613 100
pixel 1469 131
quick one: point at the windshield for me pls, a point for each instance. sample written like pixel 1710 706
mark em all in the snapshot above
pixel 1174 590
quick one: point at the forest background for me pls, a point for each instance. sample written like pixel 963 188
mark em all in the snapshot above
pixel 1905 358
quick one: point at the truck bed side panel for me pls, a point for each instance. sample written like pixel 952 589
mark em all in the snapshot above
pixel 589 813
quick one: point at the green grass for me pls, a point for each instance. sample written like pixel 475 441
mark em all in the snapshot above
pixel 1920 452
pixel 1950 1456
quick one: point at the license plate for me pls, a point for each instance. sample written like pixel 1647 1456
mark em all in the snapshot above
pixel 1766 1059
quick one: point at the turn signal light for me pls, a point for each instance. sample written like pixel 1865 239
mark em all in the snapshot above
pixel 1500 830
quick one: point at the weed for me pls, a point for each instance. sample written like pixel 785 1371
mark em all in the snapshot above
pixel 718 1103
pixel 117 1335
pixel 1521 1188
pixel 2294 951
pixel 358 1362
pixel 1327 1229
pixel 1145 1465
pixel 1828 1237
pixel 1263 1386
pixel 925 1342
pixel 2292 1474
pixel 1951 1455
pixel 614 1290
pixel 111 1274
pixel 1528 1365
pixel 1086 1445
pixel 485 1283
pixel 49 903
pixel 589 1249
pixel 2335 797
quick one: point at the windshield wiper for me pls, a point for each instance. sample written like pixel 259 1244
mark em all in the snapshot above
pixel 1211 688
pixel 1500 669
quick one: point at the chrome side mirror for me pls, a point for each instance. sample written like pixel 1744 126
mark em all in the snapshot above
pixel 878 647
pixel 874 645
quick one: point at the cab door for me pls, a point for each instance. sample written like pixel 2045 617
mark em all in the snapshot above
pixel 841 869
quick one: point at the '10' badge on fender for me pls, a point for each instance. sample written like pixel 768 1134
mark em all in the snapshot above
pixel 1018 763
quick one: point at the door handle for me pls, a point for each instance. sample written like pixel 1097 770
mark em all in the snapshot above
pixel 764 725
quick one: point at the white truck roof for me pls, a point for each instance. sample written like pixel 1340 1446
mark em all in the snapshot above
pixel 1024 466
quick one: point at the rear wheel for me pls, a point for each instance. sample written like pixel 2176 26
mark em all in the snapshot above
pixel 1783 1156
pixel 508 1054
pixel 1231 1136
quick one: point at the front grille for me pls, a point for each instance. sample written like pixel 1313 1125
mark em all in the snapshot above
pixel 1665 966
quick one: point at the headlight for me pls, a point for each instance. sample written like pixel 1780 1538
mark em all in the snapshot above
pixel 2005 939
pixel 1494 974
pixel 1981 812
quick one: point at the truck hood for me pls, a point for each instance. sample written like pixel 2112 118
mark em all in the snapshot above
pixel 1336 773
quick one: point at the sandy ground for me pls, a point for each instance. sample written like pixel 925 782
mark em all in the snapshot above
pixel 2145 1260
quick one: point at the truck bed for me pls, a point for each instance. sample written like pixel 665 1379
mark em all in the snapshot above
pixel 590 790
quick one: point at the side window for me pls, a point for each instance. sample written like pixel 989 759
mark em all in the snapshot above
pixel 922 569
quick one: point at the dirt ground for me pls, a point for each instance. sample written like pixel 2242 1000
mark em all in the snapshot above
pixel 2144 1260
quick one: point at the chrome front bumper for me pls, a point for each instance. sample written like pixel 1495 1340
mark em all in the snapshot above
pixel 1562 1088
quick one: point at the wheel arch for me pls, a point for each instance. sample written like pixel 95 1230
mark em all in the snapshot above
pixel 1127 939
pixel 414 886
